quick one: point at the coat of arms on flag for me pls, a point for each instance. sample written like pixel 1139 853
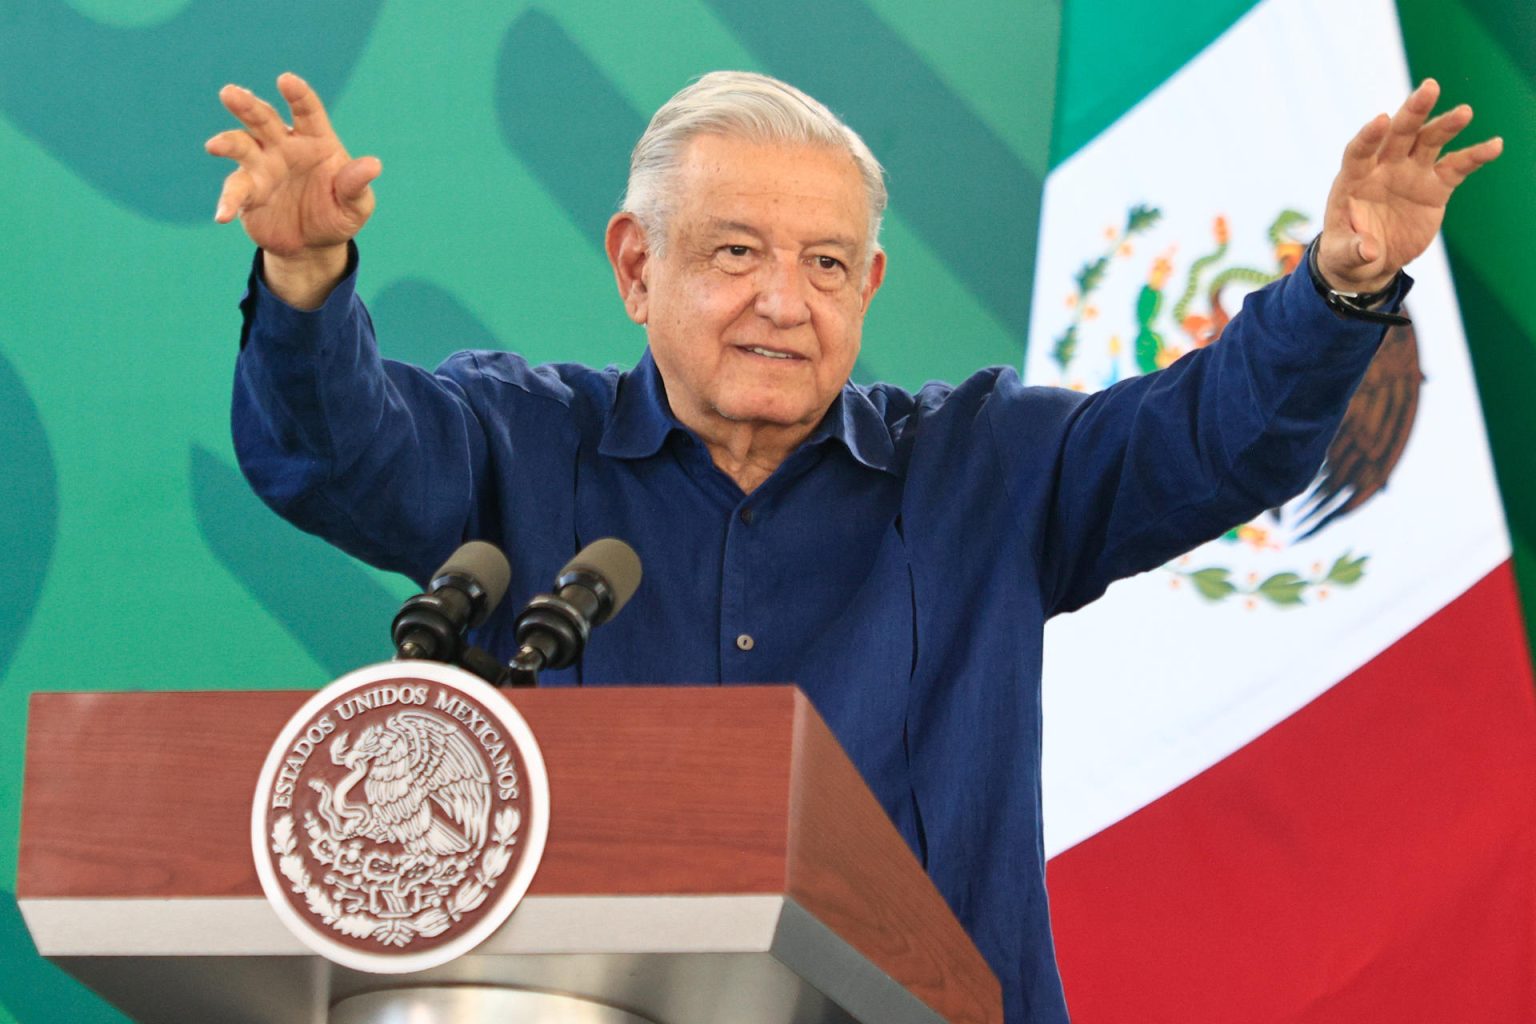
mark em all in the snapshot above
pixel 1177 304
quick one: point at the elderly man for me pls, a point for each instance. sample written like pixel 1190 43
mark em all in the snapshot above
pixel 895 554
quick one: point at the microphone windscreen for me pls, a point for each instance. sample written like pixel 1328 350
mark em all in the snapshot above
pixel 613 561
pixel 486 565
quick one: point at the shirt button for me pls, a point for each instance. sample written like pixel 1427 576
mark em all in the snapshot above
pixel 745 642
pixel 746 516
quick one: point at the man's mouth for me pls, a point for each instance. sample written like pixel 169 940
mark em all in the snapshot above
pixel 758 350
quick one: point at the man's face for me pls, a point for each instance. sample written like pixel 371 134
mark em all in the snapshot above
pixel 755 306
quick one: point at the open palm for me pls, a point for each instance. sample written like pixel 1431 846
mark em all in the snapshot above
pixel 1389 198
pixel 296 190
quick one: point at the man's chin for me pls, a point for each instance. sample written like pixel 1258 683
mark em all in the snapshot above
pixel 771 412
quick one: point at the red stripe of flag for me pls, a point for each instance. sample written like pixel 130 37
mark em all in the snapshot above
pixel 1370 859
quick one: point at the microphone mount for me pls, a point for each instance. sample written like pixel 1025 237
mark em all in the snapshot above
pixel 552 631
pixel 462 594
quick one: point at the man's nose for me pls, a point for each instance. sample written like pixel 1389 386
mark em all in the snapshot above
pixel 781 295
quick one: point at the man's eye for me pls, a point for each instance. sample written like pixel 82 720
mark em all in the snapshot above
pixel 827 263
pixel 736 250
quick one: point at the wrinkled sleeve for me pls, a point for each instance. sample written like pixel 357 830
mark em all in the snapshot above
pixel 1158 464
pixel 378 457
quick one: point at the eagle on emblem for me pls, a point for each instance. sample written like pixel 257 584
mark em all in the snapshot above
pixel 1372 436
pixel 424 785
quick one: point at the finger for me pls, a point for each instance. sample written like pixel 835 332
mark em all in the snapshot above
pixel 1360 154
pixel 1454 168
pixel 1342 252
pixel 233 145
pixel 1366 249
pixel 353 179
pixel 258 116
pixel 309 116
pixel 232 200
pixel 1409 119
pixel 1361 237
pixel 1434 135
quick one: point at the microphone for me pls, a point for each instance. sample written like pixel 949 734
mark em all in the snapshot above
pixel 461 595
pixel 552 630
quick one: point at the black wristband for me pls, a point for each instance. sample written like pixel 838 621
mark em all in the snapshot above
pixel 1356 306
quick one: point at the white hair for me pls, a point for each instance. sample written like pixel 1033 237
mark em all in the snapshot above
pixel 743 105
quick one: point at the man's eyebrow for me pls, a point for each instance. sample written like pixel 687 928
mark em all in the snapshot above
pixel 724 227
pixel 842 241
pixel 718 226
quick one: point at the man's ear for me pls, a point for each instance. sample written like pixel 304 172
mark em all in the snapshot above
pixel 874 278
pixel 629 252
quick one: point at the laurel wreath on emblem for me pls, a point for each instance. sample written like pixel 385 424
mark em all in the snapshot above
pixel 436 894
pixel 1216 583
pixel 1151 349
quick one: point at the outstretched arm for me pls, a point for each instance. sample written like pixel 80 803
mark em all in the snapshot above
pixel 296 191
pixel 380 458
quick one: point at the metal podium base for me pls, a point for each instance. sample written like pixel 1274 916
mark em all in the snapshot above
pixel 472 1004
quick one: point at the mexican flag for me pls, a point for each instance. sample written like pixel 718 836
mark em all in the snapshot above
pixel 1288 777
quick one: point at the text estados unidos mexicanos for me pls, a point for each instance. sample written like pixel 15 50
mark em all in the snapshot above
pixel 479 726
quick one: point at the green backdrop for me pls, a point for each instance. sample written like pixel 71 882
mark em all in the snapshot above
pixel 134 556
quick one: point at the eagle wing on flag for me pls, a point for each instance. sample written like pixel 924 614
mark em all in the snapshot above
pixel 1373 434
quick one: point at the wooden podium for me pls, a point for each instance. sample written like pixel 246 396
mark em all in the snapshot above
pixel 713 858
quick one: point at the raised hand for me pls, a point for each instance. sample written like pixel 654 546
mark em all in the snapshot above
pixel 1389 198
pixel 296 191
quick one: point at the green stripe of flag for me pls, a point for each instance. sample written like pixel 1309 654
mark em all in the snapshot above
pixel 1512 26
pixel 1494 214
pixel 1484 53
pixel 1114 52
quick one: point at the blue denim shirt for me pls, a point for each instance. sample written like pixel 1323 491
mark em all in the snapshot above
pixel 899 566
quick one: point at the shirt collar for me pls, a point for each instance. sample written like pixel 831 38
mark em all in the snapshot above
pixel 642 419
pixel 854 420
